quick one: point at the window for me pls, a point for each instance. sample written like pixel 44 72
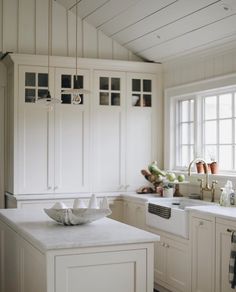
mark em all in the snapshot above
pixel 206 127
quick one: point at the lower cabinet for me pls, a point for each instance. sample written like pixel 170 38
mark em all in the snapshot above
pixel 134 214
pixel 202 254
pixel 172 262
pixel 223 246
pixel 171 254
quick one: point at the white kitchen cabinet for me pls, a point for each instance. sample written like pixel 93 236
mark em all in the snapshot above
pixel 108 271
pixel 98 145
pixel 116 207
pixel 202 237
pixel 171 262
pixel 171 253
pixel 134 214
pixel 108 119
pixel 127 118
pixel 94 257
pixel 53 143
pixel 142 126
pixel 223 247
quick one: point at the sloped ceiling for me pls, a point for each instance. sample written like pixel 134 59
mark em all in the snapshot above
pixel 161 30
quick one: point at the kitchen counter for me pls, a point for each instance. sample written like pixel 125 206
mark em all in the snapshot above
pixel 216 210
pixel 36 227
pixel 41 255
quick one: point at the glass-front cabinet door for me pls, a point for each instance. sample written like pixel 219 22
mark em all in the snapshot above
pixel 109 91
pixel 141 90
pixel 108 132
pixel 141 126
pixel 35 133
pixel 72 126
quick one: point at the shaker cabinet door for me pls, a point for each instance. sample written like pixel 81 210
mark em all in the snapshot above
pixel 141 127
pixel 34 169
pixel 105 271
pixel 108 132
pixel 71 132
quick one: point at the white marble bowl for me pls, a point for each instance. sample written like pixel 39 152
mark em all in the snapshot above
pixel 71 216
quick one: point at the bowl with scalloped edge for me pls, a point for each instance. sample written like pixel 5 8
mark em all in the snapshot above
pixel 79 214
pixel 70 216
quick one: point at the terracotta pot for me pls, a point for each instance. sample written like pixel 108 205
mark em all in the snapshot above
pixel 200 168
pixel 214 168
pixel 208 167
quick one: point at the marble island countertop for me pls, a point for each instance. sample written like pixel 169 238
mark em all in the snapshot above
pixel 36 227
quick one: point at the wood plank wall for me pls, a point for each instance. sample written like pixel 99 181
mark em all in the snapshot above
pixel 200 66
pixel 24 29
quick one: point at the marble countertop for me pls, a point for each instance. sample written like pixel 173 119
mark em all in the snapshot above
pixel 45 234
pixel 216 210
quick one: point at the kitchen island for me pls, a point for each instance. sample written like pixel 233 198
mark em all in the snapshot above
pixel 39 255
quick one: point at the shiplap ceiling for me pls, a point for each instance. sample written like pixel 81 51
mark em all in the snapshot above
pixel 161 30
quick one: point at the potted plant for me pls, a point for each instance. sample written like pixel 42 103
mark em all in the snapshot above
pixel 168 190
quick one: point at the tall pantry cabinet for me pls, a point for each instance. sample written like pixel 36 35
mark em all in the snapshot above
pixel 98 145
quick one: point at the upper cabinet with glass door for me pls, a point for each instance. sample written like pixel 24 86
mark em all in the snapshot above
pixel 66 84
pixel 141 89
pixel 35 86
pixel 109 91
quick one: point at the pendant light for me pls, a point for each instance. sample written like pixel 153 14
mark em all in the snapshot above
pixel 76 91
pixel 47 98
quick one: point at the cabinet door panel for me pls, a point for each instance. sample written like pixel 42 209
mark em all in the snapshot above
pixel 70 150
pixel 108 118
pixel 34 166
pixel 108 271
pixel 223 247
pixel 71 132
pixel 202 255
pixel 139 146
pixel 177 266
pixel 159 261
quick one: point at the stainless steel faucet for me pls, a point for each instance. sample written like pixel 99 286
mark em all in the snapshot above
pixel 203 187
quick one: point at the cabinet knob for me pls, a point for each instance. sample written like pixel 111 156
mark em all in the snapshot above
pixel 56 188
pixel 167 245
pixel 49 188
pixel 201 223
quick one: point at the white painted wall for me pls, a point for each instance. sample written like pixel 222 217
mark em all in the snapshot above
pixel 24 29
pixel 200 66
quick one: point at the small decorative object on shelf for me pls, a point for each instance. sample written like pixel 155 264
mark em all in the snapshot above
pixel 79 214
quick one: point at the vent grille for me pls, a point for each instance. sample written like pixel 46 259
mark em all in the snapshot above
pixel 158 210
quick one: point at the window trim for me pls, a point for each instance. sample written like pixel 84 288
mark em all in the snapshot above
pixel 191 90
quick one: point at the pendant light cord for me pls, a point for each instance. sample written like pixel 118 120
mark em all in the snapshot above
pixel 49 36
pixel 76 40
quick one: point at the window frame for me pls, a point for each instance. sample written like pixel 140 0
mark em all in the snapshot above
pixel 196 91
